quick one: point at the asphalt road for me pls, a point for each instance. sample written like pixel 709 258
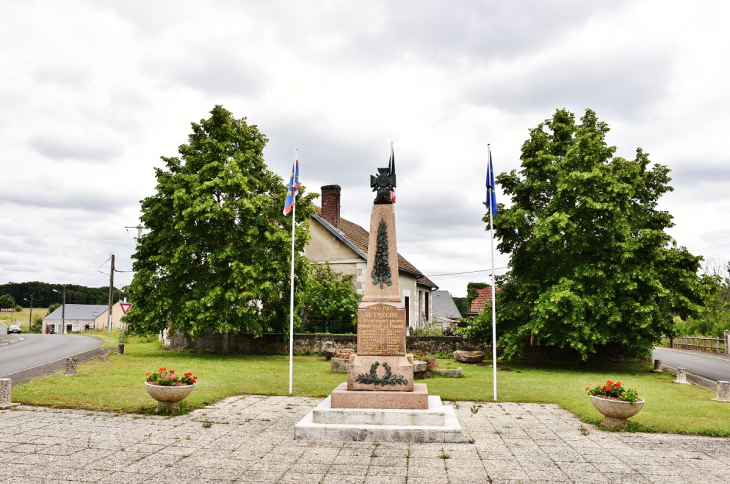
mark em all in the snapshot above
pixel 37 350
pixel 714 367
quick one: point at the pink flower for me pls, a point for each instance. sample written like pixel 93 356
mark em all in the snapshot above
pixel 167 377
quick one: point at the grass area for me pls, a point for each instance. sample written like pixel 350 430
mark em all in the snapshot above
pixel 8 318
pixel 117 385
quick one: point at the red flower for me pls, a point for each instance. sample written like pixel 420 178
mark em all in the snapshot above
pixel 618 384
pixel 609 382
pixel 607 388
pixel 587 388
pixel 147 374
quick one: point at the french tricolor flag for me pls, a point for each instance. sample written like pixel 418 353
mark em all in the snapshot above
pixel 391 171
pixel 293 190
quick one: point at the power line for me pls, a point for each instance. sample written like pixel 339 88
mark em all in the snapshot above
pixel 464 272
pixel 92 272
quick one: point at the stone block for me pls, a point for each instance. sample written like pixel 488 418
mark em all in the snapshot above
pixel 351 426
pixel 339 365
pixel 104 356
pixel 432 414
pixel 71 366
pixel 657 367
pixel 420 366
pixel 449 373
pixel 380 373
pixel 5 386
pixel 723 391
pixel 469 356
pixel 681 377
pixel 342 397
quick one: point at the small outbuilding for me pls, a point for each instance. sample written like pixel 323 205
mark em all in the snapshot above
pixel 82 317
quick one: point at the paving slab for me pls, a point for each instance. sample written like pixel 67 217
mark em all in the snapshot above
pixel 251 439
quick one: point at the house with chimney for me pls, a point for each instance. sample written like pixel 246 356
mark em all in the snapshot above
pixel 344 245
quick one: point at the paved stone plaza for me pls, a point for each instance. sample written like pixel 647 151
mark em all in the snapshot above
pixel 250 439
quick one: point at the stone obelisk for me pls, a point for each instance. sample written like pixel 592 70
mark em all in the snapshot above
pixel 380 375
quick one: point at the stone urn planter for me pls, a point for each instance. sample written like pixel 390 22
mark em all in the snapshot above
pixel 168 397
pixel 616 412
pixel 469 356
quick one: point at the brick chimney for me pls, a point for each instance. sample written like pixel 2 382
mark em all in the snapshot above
pixel 331 204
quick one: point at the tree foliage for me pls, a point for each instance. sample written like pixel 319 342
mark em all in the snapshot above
pixel 6 301
pixel 53 307
pixel 591 263
pixel 714 318
pixel 217 252
pixel 327 301
pixel 44 294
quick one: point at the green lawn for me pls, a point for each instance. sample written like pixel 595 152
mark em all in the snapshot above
pixel 117 386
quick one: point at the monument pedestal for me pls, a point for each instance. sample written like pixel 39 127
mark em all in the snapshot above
pixel 416 399
pixel 435 423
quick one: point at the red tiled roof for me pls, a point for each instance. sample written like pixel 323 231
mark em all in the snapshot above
pixel 360 238
pixel 484 296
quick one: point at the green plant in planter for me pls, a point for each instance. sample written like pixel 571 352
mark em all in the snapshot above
pixel 614 390
pixel 165 377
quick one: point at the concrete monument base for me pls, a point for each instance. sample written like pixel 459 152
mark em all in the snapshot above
pixel 437 423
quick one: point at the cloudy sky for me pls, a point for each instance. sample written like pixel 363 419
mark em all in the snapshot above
pixel 92 93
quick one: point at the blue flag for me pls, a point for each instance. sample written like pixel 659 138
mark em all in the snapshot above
pixel 491 196
pixel 293 190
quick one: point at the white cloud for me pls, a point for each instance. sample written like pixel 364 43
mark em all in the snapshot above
pixel 92 94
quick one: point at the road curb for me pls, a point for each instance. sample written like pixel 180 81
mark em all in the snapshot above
pixel 4 342
pixel 28 374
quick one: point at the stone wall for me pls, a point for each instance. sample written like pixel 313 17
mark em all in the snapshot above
pixel 277 344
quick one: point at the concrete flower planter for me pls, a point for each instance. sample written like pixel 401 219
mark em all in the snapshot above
pixel 615 412
pixel 339 365
pixel 168 397
pixel 420 366
pixel 469 356
pixel 449 373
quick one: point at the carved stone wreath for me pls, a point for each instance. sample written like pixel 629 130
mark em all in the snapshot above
pixel 387 379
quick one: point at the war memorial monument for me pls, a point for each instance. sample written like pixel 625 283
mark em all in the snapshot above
pixel 380 401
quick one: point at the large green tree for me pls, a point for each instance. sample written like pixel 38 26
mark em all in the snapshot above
pixel 591 263
pixel 327 301
pixel 217 252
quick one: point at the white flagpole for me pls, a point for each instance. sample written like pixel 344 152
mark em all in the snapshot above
pixel 291 290
pixel 494 302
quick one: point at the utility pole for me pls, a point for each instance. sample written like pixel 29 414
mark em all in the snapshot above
pixel 63 310
pixel 139 232
pixel 111 294
pixel 30 317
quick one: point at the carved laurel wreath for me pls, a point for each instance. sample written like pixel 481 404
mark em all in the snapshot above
pixel 387 379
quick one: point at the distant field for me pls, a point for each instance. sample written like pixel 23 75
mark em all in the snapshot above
pixel 6 319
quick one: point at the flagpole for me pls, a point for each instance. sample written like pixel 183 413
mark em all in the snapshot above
pixel 291 289
pixel 494 302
